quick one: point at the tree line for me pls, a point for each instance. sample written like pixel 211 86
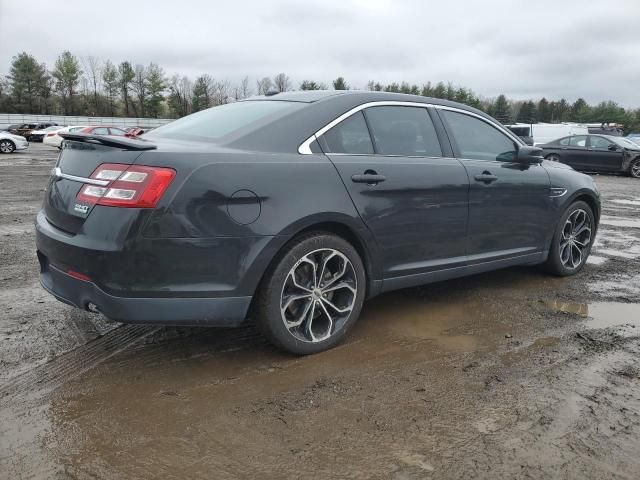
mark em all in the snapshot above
pixel 90 86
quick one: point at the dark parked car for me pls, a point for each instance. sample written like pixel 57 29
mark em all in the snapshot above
pixel 596 153
pixel 26 128
pixel 292 209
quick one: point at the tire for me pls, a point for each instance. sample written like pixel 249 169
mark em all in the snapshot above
pixel 7 146
pixel 554 157
pixel 570 238
pixel 303 327
pixel 634 168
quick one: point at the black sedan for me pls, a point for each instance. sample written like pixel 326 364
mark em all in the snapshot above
pixel 603 153
pixel 291 209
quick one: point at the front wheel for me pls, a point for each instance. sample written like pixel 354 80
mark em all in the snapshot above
pixel 572 240
pixel 313 294
pixel 634 168
pixel 7 146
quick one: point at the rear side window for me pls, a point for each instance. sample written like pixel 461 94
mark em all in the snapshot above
pixel 350 136
pixel 217 122
pixel 117 131
pixel 578 141
pixel 100 131
pixel 404 131
pixel 478 140
pixel 564 141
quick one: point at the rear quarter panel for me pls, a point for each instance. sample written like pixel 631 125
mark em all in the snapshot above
pixel 217 196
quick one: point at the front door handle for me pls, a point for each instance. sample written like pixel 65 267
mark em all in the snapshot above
pixel 486 177
pixel 370 178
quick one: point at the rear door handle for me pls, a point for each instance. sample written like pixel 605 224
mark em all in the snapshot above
pixel 369 178
pixel 486 177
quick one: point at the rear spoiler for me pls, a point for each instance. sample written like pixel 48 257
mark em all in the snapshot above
pixel 110 141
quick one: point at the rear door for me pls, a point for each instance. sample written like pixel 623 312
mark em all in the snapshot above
pixel 604 154
pixel 509 203
pixel 411 195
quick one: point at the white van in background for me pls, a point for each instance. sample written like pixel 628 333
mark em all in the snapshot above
pixel 542 133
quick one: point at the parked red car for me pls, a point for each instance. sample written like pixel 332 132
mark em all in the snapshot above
pixel 107 130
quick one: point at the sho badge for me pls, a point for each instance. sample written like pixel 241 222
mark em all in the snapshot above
pixel 81 208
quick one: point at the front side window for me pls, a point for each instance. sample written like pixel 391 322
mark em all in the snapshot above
pixel 403 131
pixel 578 141
pixel 351 136
pixel 117 131
pixel 600 143
pixel 478 140
pixel 100 131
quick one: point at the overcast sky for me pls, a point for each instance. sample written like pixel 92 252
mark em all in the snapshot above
pixel 525 49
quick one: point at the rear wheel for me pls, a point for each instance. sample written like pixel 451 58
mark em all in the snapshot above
pixel 553 157
pixel 572 240
pixel 312 295
pixel 7 146
pixel 634 168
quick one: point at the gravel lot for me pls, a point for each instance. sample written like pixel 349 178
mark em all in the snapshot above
pixel 511 374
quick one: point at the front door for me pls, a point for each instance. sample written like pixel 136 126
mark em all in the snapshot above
pixel 605 155
pixel 412 198
pixel 509 203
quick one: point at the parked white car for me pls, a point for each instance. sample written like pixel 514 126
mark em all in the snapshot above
pixel 542 133
pixel 10 142
pixel 55 140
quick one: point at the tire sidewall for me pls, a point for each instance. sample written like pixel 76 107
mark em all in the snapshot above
pixel 269 315
pixel 554 263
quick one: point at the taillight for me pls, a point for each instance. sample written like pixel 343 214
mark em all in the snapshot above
pixel 51 134
pixel 129 186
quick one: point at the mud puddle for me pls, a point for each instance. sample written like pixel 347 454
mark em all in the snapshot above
pixel 620 221
pixel 624 318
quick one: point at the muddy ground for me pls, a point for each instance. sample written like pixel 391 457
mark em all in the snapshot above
pixel 511 374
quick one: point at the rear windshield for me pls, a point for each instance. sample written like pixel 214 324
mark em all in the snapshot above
pixel 217 122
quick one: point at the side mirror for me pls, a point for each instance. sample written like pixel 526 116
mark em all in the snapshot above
pixel 613 147
pixel 528 155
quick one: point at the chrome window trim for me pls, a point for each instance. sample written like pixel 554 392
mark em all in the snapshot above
pixel 305 147
pixel 57 172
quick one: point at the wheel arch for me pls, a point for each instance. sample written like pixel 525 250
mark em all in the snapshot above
pixel 350 229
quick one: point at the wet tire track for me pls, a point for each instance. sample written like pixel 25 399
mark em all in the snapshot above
pixel 75 362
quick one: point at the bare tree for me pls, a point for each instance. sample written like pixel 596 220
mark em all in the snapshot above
pixel 140 89
pixel 221 93
pixel 180 90
pixel 281 82
pixel 264 85
pixel 93 70
pixel 242 90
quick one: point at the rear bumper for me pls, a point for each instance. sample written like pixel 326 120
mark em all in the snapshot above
pixel 219 311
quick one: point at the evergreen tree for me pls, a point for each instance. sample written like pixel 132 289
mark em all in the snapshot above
pixel 311 85
pixel 125 79
pixel 201 97
pixel 544 113
pixel 155 85
pixel 340 84
pixel 111 85
pixel 67 77
pixel 27 78
pixel 502 110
